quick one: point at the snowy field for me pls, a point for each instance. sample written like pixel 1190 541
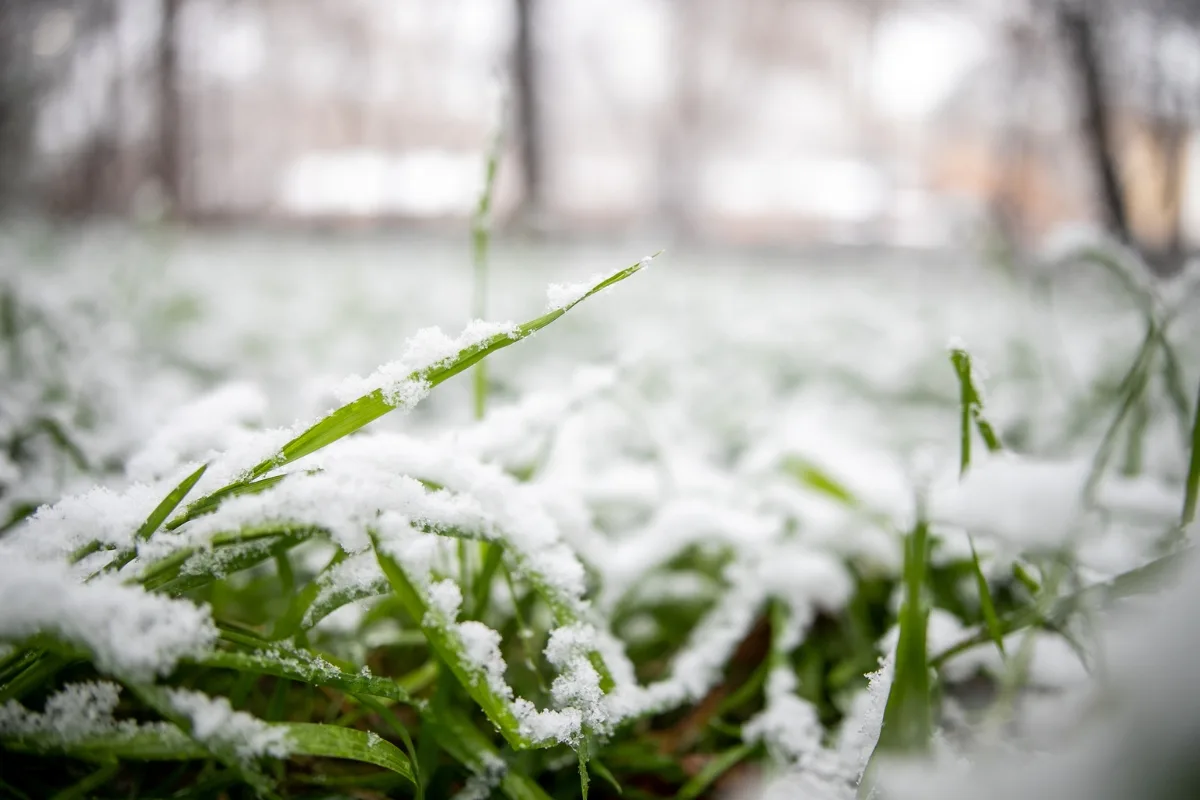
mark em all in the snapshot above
pixel 703 478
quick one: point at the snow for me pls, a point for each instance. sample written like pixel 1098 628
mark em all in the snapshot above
pixel 75 712
pixel 1032 503
pixel 401 381
pixel 601 474
pixel 215 722
pixel 129 631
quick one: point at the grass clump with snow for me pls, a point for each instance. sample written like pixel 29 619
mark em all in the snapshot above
pixel 611 586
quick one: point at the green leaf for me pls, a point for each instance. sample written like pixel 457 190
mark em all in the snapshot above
pixel 332 741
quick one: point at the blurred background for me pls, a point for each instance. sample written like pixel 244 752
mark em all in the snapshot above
pixel 777 123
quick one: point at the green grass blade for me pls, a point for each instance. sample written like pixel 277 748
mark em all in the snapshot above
pixel 481 236
pixel 83 789
pixel 458 736
pixel 907 715
pixel 605 775
pixel 817 479
pixel 1192 488
pixel 349 418
pixel 713 770
pixel 333 741
pixel 300 665
pixel 990 618
pixel 449 650
pixel 163 743
pixel 208 504
pixel 483 583
pixel 971 399
pixel 226 752
pixel 1132 387
pixel 230 552
pixel 971 409
pixel 1141 580
pixel 169 504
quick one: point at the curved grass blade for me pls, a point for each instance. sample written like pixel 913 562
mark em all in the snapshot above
pixel 333 741
pixel 449 650
pixel 159 742
pixel 302 666
pixel 1141 580
pixel 349 418
pixel 713 770
pixel 169 504
pixel 458 736
pixel 815 478
pixel 230 552
pixel 147 528
pixel 224 751
pixel 209 503
pixel 82 789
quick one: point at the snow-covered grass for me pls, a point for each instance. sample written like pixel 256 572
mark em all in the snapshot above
pixel 738 527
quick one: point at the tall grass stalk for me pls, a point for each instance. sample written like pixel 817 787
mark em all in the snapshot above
pixel 481 236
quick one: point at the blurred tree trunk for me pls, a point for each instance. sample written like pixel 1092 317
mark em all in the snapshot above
pixel 528 113
pixel 170 157
pixel 677 144
pixel 1078 30
pixel 16 103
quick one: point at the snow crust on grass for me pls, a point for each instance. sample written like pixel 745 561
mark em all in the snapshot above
pixel 215 722
pixel 75 712
pixel 400 381
pixel 606 477
pixel 128 630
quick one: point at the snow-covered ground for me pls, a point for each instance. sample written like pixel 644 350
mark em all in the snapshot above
pixel 709 400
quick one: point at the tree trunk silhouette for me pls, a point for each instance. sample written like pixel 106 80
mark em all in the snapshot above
pixel 170 156
pixel 528 113
pixel 1079 32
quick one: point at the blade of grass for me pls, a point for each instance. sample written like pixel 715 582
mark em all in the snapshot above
pixel 713 770
pixel 971 402
pixel 302 666
pixel 907 716
pixel 224 751
pixel 1141 580
pixel 481 235
pixel 84 788
pixel 1192 488
pixel 449 650
pixel 369 407
pixel 331 741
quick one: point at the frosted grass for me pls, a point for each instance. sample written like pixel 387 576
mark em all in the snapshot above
pixel 656 487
